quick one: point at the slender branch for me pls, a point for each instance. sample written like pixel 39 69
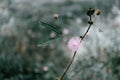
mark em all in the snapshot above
pixel 68 66
pixel 70 63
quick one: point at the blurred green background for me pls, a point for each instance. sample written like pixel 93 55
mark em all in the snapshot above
pixel 31 46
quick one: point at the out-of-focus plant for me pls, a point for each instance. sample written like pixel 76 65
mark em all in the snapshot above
pixel 29 49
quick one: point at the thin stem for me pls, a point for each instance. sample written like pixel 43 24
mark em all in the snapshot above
pixel 68 66
pixel 70 63
pixel 85 33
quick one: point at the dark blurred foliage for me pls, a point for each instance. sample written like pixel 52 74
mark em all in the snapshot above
pixel 30 53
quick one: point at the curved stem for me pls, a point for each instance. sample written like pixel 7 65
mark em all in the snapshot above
pixel 70 63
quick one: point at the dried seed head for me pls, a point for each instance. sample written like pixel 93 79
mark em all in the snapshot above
pixel 55 16
pixel 90 12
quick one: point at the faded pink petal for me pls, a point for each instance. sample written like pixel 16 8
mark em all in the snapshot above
pixel 74 43
pixel 65 31
pixel 45 68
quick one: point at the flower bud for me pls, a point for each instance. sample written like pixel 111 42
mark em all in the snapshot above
pixel 98 12
pixel 55 16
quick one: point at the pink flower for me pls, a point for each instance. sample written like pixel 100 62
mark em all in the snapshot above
pixel 74 43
